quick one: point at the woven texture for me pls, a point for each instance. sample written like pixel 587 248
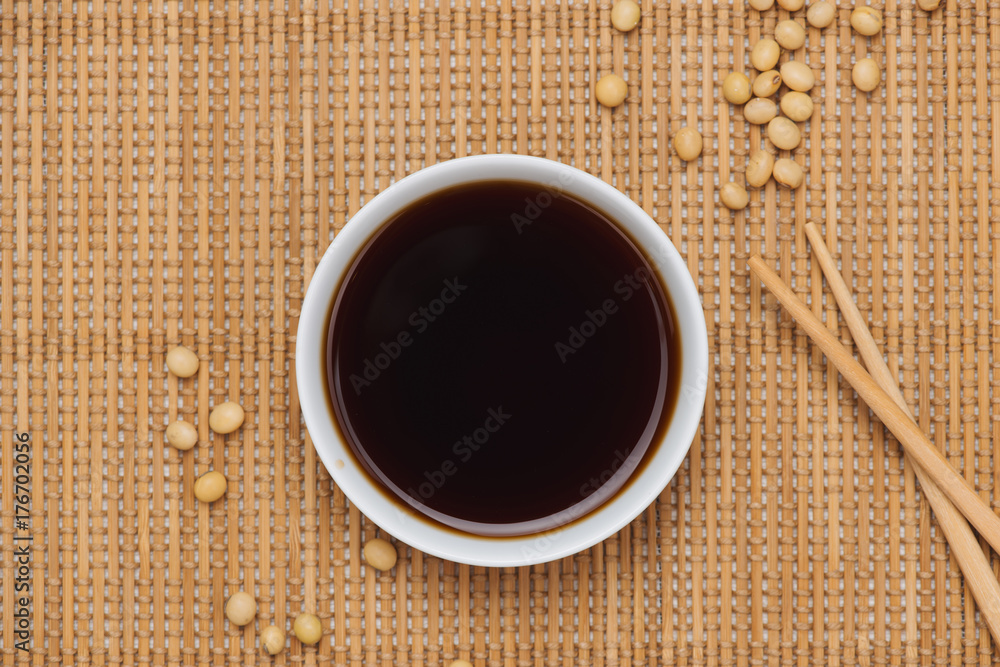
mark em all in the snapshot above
pixel 171 173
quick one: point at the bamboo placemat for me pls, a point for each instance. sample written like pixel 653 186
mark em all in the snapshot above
pixel 172 171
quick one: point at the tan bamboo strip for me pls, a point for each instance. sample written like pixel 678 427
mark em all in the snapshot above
pixel 125 597
pixel 31 222
pixel 61 252
pixel 966 356
pixel 398 114
pixel 884 253
pixel 994 171
pixel 869 220
pixel 946 313
pixel 975 566
pixel 978 237
pixel 550 92
pixel 9 227
pixel 170 113
pixel 227 372
pixel 931 268
pixel 223 181
pixel 53 583
pixel 183 496
pixel 908 433
pixel 265 594
pixel 161 256
pixel 282 527
pixel 202 311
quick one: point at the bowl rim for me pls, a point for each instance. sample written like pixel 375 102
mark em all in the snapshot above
pixel 398 519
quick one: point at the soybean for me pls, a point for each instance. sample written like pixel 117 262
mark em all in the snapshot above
pixel 182 362
pixel 764 55
pixel 788 172
pixel 307 628
pixel 736 88
pixel 866 74
pixel 759 168
pixel 182 435
pixel 783 133
pixel 791 5
pixel 790 34
pixel 867 21
pixel 688 143
pixel 611 90
pixel 767 83
pixel 820 14
pixel 226 417
pixel 210 487
pixel 761 5
pixel 241 608
pixel 734 196
pixel 272 639
pixel 759 110
pixel 798 76
pixel 797 106
pixel 380 554
pixel 625 15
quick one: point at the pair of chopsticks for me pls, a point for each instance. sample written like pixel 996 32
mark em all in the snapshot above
pixel 951 497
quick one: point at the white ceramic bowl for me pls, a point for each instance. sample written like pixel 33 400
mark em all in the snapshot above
pixel 400 520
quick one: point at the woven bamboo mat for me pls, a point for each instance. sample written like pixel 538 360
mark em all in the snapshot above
pixel 172 171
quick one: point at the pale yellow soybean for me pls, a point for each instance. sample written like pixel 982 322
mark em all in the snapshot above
pixel 210 487
pixel 767 83
pixel 761 5
pixel 797 106
pixel 790 34
pixel 866 21
pixel 182 435
pixel 798 76
pixel 182 362
pixel 625 15
pixel 226 417
pixel 788 172
pixel 736 88
pixel 611 90
pixel 791 5
pixel 928 5
pixel 734 196
pixel 380 554
pixel 307 628
pixel 765 54
pixel 459 663
pixel 759 168
pixel 759 110
pixel 866 74
pixel 821 14
pixel 272 639
pixel 688 143
pixel 783 133
pixel 241 608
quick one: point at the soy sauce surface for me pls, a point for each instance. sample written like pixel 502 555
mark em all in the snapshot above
pixel 501 357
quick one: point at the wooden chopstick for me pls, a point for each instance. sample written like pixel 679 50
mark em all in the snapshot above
pixel 895 418
pixel 964 546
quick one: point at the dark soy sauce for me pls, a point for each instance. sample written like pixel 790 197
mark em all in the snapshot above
pixel 501 357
